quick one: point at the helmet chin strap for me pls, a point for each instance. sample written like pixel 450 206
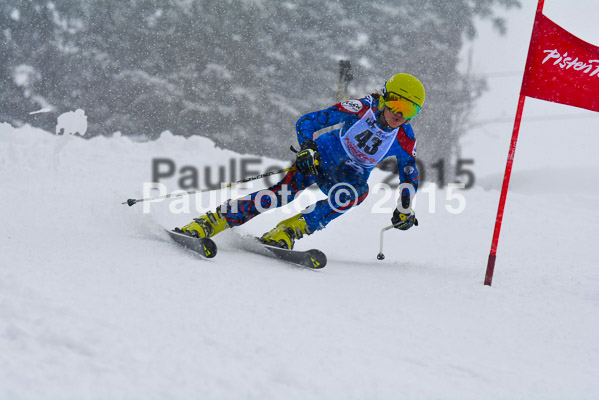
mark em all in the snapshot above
pixel 381 121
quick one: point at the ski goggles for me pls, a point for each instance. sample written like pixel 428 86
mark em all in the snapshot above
pixel 399 104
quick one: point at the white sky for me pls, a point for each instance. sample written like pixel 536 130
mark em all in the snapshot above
pixel 550 133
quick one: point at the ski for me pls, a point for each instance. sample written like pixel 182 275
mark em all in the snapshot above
pixel 203 246
pixel 312 259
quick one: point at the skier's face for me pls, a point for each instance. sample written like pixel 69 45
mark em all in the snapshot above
pixel 394 120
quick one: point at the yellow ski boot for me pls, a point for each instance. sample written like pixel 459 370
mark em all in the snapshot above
pixel 207 225
pixel 286 232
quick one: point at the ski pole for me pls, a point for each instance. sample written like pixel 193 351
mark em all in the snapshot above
pixel 341 72
pixel 344 65
pixel 349 76
pixel 131 202
pixel 381 256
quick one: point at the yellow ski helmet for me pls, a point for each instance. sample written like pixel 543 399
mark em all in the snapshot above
pixel 403 93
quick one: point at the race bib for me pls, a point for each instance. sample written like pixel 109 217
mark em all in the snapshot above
pixel 366 143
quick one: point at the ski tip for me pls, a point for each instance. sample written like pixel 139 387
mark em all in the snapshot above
pixel 204 246
pixel 210 249
pixel 317 259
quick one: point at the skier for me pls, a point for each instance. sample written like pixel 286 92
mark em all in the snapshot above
pixel 339 162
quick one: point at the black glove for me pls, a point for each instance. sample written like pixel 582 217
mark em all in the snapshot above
pixel 308 158
pixel 403 221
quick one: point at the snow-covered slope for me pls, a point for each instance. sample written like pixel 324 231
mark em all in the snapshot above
pixel 97 302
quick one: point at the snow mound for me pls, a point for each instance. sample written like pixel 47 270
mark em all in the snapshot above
pixel 97 302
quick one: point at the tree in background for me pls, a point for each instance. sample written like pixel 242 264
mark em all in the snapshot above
pixel 237 71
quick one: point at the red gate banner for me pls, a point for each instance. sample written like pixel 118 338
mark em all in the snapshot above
pixel 561 68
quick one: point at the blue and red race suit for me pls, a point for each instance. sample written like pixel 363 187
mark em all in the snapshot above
pixel 348 155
